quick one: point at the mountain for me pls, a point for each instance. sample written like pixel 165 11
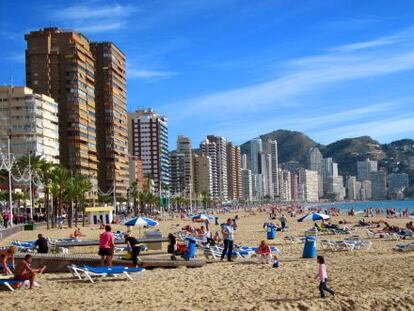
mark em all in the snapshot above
pixel 294 146
pixel 346 152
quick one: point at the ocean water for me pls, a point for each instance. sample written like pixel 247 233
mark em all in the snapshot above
pixel 399 205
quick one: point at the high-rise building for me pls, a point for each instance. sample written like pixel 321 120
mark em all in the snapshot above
pixel 177 173
pixel 285 182
pixel 244 161
pixel 221 165
pixel 233 172
pixel 203 175
pixel 364 168
pixel 379 185
pixel 209 149
pixel 294 184
pixel 255 151
pixel 60 64
pixel 184 147
pixel 266 172
pixel 150 144
pixel 397 184
pixel 308 181
pixel 111 117
pixel 366 190
pixel 135 172
pixel 270 147
pixel 351 187
pixel 31 121
pixel 315 160
pixel 247 190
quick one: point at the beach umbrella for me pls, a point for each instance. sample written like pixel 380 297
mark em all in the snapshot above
pixel 314 217
pixel 202 216
pixel 141 222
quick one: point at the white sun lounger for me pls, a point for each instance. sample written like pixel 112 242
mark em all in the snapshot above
pixel 404 247
pixel 90 273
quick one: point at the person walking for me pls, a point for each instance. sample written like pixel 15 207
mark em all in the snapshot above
pixel 228 236
pixel 283 221
pixel 323 277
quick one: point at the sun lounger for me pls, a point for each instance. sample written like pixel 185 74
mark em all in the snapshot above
pixel 405 247
pixel 92 272
pixel 359 244
pixel 215 252
pixel 293 239
pixel 9 282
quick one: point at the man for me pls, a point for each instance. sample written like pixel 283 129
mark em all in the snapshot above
pixel 132 243
pixel 5 256
pixel 283 221
pixel 106 246
pixel 25 272
pixel 42 245
pixel 228 236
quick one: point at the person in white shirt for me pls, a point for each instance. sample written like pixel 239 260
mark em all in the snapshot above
pixel 228 236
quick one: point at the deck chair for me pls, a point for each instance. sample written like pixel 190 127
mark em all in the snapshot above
pixel 93 272
pixel 405 247
pixel 9 282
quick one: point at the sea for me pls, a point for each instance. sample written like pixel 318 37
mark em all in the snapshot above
pixel 398 205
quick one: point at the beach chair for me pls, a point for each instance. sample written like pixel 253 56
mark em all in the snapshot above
pixel 102 272
pixel 405 247
pixel 359 244
pixel 328 245
pixel 9 282
pixel 344 246
pixel 293 239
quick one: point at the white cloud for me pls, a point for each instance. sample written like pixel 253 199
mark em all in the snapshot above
pixel 95 16
pixel 149 74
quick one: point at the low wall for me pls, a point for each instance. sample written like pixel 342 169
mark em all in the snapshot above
pixel 4 233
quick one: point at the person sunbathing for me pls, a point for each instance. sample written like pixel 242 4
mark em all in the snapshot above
pixel 24 271
pixel 264 253
pixel 5 256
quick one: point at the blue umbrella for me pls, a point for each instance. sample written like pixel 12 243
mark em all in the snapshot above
pixel 202 216
pixel 141 222
pixel 314 217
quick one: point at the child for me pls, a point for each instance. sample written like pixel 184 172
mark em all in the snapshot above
pixel 275 262
pixel 323 277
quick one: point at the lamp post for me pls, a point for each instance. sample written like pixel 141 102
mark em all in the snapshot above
pixel 30 186
pixel 10 178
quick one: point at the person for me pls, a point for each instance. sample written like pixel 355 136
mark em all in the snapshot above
pixel 24 271
pixel 132 243
pixel 5 256
pixel 283 221
pixel 106 246
pixel 275 262
pixel 264 253
pixel 323 277
pixel 77 233
pixel 172 244
pixel 42 245
pixel 228 236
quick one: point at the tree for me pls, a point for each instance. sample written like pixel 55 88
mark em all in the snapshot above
pixel 60 180
pixel 45 173
pixel 133 191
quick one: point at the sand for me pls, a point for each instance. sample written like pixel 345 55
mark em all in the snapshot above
pixel 378 279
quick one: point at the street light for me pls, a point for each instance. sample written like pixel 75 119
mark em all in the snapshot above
pixel 30 186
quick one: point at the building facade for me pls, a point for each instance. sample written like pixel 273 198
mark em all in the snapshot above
pixel 234 181
pixel 60 64
pixel 150 144
pixel 364 168
pixel 270 147
pixel 203 175
pixel 111 117
pixel 31 121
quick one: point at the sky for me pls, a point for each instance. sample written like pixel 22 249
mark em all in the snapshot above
pixel 240 68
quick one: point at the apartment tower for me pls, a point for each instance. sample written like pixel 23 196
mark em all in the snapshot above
pixel 60 64
pixel 111 117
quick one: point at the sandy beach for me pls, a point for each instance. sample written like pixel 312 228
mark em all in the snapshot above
pixel 377 279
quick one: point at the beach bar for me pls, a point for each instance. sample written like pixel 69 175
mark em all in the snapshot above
pixel 102 214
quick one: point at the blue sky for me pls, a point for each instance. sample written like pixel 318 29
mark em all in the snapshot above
pixel 330 68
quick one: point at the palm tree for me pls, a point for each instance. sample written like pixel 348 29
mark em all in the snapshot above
pixel 45 173
pixel 84 186
pixel 60 180
pixel 135 195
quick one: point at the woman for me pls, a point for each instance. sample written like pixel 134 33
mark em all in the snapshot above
pixel 264 254
pixel 5 256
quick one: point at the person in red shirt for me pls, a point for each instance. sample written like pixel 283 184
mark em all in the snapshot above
pixel 106 246
pixel 264 255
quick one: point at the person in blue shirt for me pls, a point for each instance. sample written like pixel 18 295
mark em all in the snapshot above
pixel 228 236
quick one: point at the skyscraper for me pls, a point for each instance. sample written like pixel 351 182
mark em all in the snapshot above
pixel 203 175
pixel 111 117
pixel 150 144
pixel 379 185
pixel 184 147
pixel 364 168
pixel 255 151
pixel 233 171
pixel 270 147
pixel 221 165
pixel 60 64
pixel 315 160
pixel 351 187
pixel 308 181
pixel 266 172
pixel 209 149
pixel 31 121
pixel 247 190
